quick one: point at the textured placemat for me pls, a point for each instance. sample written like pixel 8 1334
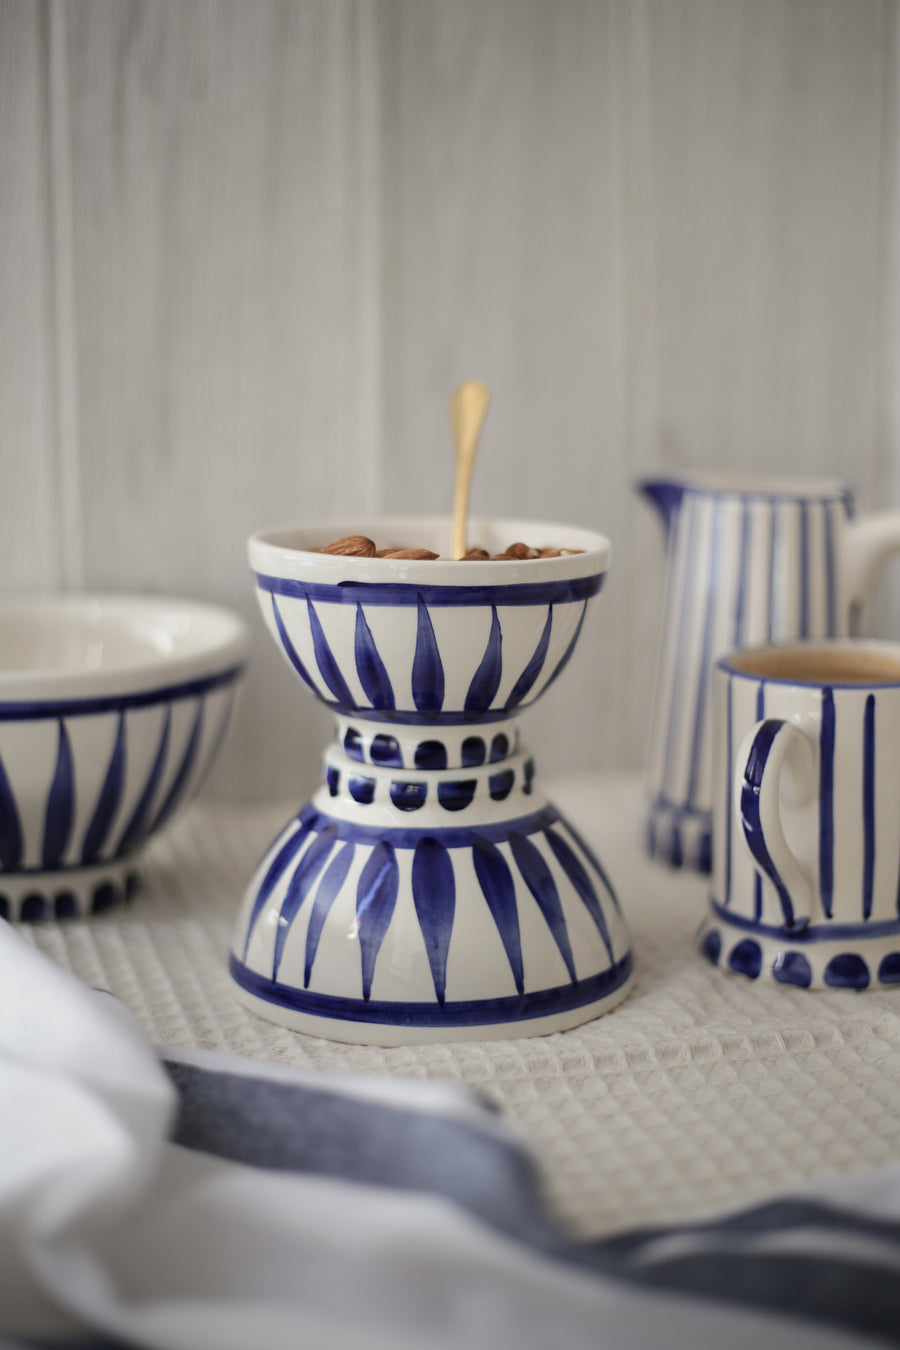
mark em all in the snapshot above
pixel 701 1091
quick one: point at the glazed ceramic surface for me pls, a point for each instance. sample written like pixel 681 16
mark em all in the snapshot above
pixel 750 560
pixel 806 878
pixel 429 891
pixel 112 709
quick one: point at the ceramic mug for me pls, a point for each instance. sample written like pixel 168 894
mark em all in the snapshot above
pixel 806 815
pixel 752 559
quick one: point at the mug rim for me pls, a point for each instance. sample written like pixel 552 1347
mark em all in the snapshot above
pixel 727 663
pixel 763 486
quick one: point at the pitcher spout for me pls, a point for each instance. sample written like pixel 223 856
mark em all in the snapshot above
pixel 666 495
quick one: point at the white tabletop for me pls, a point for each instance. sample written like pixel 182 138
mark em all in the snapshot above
pixel 701 1091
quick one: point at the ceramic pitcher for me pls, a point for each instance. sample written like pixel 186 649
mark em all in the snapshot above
pixel 751 560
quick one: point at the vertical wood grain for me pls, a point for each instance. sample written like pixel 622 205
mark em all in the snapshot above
pixel 29 539
pixel 250 249
pixel 224 292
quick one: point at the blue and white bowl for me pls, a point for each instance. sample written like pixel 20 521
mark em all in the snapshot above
pixel 112 710
pixel 429 891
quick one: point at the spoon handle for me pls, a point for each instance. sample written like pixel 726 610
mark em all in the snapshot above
pixel 468 408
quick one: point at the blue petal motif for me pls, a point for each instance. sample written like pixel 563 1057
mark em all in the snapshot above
pixel 434 895
pixel 328 666
pixel 376 897
pixel 486 680
pixel 499 890
pixel 138 828
pixel 277 868
pixel 526 680
pixel 299 887
pixel 594 861
pixel 539 880
pixel 564 660
pixel 176 791
pixel 369 666
pixel 579 878
pixel 291 650
pixel 109 799
pixel 10 826
pixel 60 804
pixel 329 889
pixel 427 670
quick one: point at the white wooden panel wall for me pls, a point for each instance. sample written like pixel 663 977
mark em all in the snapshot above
pixel 248 250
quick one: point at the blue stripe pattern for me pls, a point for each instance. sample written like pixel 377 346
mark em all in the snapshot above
pixel 436 597
pixel 750 817
pixel 868 804
pixel 826 803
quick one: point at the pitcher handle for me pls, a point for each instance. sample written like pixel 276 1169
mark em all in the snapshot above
pixel 757 782
pixel 870 539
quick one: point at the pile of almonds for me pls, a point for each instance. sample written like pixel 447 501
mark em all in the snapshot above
pixel 358 546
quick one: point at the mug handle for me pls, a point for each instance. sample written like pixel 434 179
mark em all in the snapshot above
pixel 757 781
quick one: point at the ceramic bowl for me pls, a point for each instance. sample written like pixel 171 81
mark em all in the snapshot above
pixel 429 891
pixel 112 709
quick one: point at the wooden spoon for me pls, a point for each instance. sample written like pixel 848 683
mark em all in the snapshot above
pixel 468 408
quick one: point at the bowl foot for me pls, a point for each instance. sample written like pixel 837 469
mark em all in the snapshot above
pixel 28 897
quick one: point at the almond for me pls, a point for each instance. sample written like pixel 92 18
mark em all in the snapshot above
pixel 422 554
pixel 351 546
pixel 518 550
pixel 476 555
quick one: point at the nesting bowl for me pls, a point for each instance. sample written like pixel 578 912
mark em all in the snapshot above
pixel 112 710
pixel 429 890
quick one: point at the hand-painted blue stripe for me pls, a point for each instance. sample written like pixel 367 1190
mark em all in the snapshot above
pixel 456 795
pixel 823 932
pixel 427 669
pixel 433 755
pixel 804 568
pixel 676 717
pixel 275 871
pixel 826 802
pixel 436 597
pixel 523 684
pixel 472 1013
pixel 38 709
pixel 750 816
pixel 578 875
pixel 743 577
pixel 700 721
pixel 291 650
pixel 180 781
pixel 434 896
pixel 215 745
pixel 539 880
pixel 108 801
pixel 729 799
pixel 567 654
pixel 499 890
pixel 328 666
pixel 454 836
pixel 328 891
pixel 830 580
pixel 60 803
pixel 301 883
pixel 594 862
pixel 376 897
pixel 369 666
pixel 386 750
pixel 757 876
pixel 486 680
pixel 868 805
pixel 138 827
pixel 11 842
pixel 773 574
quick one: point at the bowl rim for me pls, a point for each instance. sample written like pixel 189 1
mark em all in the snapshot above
pixel 270 552
pixel 220 657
